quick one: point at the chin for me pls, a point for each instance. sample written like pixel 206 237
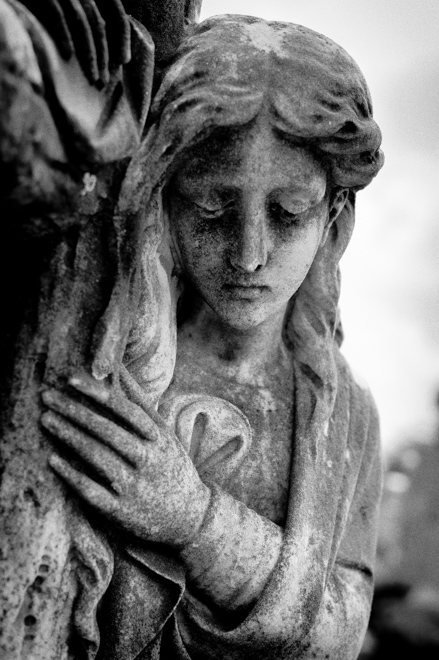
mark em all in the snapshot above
pixel 243 317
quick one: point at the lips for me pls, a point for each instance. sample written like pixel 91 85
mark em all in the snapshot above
pixel 245 283
pixel 245 291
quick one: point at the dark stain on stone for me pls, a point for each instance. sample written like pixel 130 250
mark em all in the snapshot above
pixel 29 620
pixel 30 496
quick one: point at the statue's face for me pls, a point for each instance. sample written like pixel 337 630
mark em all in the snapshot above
pixel 248 215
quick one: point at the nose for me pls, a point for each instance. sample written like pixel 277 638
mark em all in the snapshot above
pixel 250 249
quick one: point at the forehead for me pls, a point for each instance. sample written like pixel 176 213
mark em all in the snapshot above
pixel 252 157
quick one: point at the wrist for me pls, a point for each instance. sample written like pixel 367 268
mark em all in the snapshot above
pixel 190 521
pixel 232 554
pixel 201 503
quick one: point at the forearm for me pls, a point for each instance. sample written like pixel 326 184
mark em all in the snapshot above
pixel 232 556
pixel 336 623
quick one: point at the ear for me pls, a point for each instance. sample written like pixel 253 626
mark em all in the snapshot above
pixel 337 200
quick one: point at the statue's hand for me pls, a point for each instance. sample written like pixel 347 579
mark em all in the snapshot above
pixel 137 473
pixel 97 31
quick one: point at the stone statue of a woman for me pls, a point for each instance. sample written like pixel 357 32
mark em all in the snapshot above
pixel 246 490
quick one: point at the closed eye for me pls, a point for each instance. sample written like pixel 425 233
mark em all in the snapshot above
pixel 280 214
pixel 213 213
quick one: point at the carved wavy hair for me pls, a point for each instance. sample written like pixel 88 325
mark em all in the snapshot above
pixel 223 75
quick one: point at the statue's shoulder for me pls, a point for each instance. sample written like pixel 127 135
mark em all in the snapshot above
pixel 355 401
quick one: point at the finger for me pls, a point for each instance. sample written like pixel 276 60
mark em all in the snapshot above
pixel 125 412
pixel 135 394
pixel 97 25
pixel 82 38
pixel 126 445
pixel 95 494
pixel 118 31
pixel 132 390
pixel 104 462
pixel 52 18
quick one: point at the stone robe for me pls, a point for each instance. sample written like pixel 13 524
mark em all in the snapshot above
pixel 316 602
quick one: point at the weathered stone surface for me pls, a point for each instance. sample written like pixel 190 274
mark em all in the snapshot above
pixel 221 490
pixel 166 20
pixel 70 257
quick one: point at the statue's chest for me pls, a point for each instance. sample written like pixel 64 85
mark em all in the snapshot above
pixel 259 476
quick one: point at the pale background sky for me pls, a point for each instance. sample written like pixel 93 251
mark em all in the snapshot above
pixel 390 289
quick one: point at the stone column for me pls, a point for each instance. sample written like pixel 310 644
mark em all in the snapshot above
pixel 70 282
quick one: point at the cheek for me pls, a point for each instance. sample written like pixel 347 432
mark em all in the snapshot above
pixel 200 251
pixel 293 258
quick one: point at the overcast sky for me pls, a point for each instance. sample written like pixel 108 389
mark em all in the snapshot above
pixel 390 290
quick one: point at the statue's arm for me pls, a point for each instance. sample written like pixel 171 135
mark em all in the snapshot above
pixel 250 584
pixel 231 559
pixel 147 484
pixel 238 567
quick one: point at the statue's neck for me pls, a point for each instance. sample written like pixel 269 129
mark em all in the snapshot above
pixel 237 353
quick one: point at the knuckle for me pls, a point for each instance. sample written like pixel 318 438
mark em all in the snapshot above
pixel 141 457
